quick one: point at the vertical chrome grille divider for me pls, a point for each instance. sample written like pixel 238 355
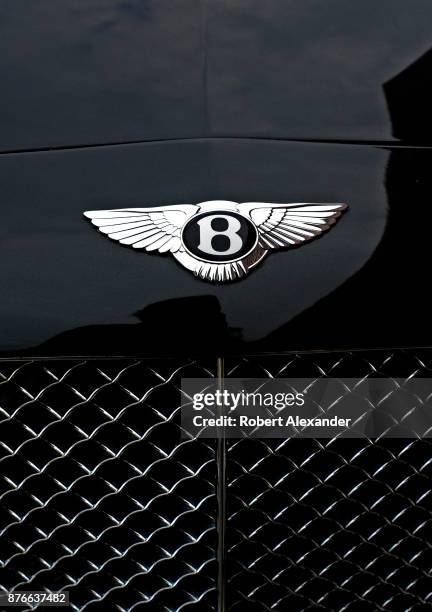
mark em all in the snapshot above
pixel 221 500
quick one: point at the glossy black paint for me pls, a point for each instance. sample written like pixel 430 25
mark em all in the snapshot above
pixel 97 71
pixel 217 92
pixel 361 284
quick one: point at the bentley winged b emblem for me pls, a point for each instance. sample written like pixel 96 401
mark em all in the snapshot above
pixel 218 241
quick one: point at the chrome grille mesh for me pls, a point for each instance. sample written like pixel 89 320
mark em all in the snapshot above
pixel 99 496
pixel 330 524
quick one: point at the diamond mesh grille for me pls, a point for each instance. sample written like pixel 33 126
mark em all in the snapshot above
pixel 99 496
pixel 330 524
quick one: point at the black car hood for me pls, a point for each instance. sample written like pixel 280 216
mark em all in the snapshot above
pixel 82 72
pixel 358 285
pixel 132 104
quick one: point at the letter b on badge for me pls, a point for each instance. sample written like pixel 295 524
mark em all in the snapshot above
pixel 219 236
pixel 207 233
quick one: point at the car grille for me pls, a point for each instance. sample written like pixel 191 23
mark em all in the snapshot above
pixel 330 524
pixel 102 498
